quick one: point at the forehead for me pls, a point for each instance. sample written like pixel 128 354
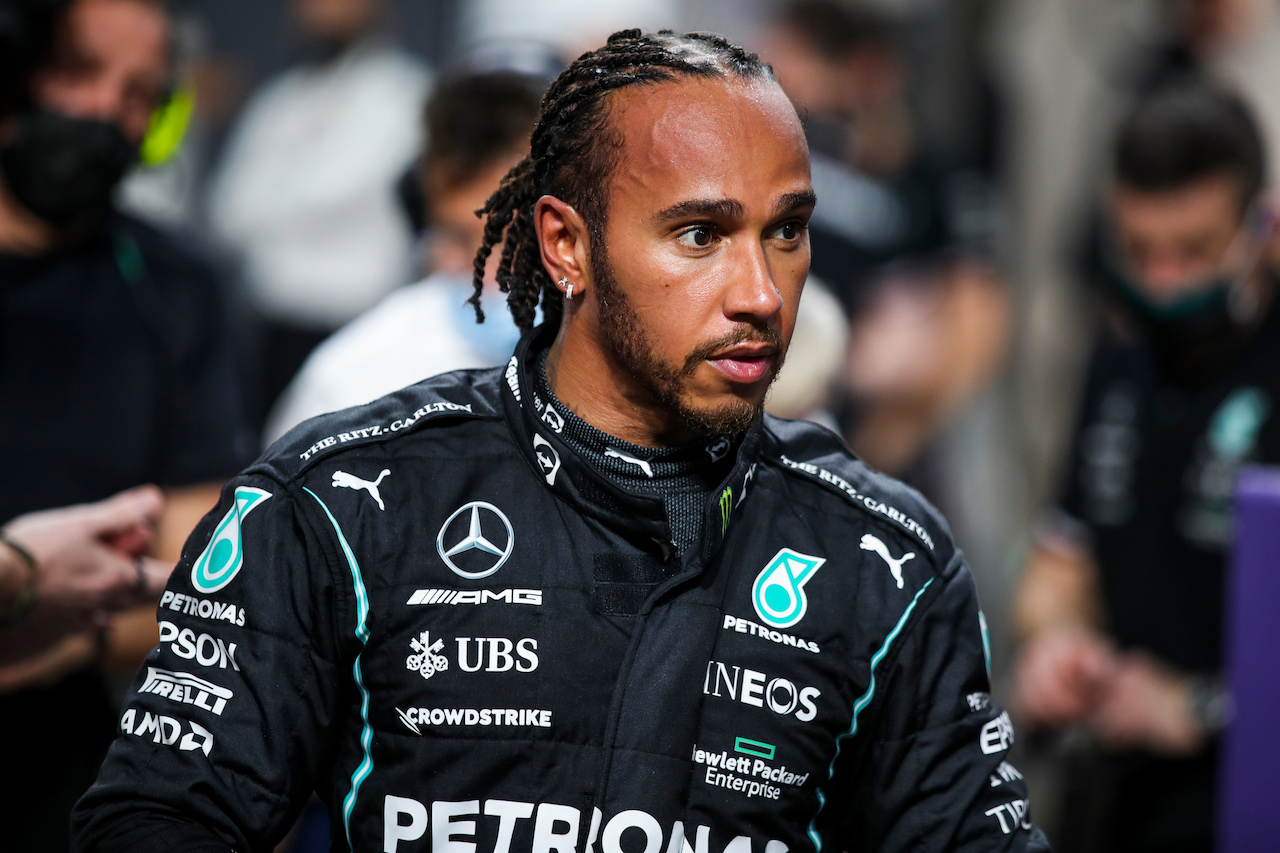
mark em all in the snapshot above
pixel 1213 202
pixel 707 138
pixel 135 31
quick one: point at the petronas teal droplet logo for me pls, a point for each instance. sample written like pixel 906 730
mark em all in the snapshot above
pixel 222 557
pixel 778 593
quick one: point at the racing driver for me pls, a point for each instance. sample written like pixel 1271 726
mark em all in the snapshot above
pixel 593 600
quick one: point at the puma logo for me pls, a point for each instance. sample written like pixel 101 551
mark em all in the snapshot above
pixel 341 479
pixel 872 543
pixel 642 463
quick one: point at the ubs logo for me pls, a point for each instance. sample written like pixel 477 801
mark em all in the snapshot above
pixel 476 540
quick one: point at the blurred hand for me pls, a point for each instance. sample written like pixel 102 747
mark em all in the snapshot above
pixel 87 554
pixel 1146 704
pixel 1060 676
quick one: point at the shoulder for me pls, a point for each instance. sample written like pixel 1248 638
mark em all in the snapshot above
pixel 816 461
pixel 409 416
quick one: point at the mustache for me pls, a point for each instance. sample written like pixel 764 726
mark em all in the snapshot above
pixel 742 335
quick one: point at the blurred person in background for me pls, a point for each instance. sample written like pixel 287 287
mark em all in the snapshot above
pixel 892 233
pixel 1235 43
pixel 114 368
pixel 305 194
pixel 1121 602
pixel 477 129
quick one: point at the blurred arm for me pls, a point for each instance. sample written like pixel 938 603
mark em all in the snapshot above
pixel 133 633
pixel 1059 588
pixel 1065 661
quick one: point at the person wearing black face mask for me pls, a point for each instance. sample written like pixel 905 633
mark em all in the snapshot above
pixel 1120 605
pixel 64 169
pixel 115 369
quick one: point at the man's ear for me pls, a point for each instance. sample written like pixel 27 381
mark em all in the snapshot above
pixel 564 243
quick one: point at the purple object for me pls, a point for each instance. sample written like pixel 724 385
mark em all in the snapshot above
pixel 1249 786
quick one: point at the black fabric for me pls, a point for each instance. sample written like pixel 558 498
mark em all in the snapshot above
pixel 685 476
pixel 1138 803
pixel 865 723
pixel 54 739
pixel 1150 479
pixel 114 372
pixel 624 581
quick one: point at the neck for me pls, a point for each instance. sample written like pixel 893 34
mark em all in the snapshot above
pixel 22 233
pixel 596 388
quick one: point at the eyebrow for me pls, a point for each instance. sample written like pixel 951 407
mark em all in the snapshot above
pixel 724 208
pixel 730 208
pixel 791 201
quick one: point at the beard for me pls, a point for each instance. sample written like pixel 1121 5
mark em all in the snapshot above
pixel 627 343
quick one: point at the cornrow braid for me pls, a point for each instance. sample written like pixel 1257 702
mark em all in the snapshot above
pixel 573 151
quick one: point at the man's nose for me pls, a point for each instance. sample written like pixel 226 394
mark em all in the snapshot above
pixel 752 293
pixel 101 99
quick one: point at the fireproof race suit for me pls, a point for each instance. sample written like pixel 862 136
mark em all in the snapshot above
pixel 467 641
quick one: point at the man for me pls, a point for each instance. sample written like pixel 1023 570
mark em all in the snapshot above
pixel 591 600
pixel 114 369
pixel 477 128
pixel 305 192
pixel 1121 604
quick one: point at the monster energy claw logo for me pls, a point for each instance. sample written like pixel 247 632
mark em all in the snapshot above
pixel 223 556
pixel 778 593
pixel 726 508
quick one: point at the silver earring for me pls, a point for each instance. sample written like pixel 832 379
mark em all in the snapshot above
pixel 568 287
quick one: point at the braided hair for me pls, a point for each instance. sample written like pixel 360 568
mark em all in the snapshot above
pixel 573 151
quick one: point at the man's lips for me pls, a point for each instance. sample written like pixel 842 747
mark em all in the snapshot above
pixel 746 363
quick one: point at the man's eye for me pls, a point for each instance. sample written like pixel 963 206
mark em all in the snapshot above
pixel 698 237
pixel 789 231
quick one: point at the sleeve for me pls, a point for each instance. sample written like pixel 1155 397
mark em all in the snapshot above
pixel 233 717
pixel 931 772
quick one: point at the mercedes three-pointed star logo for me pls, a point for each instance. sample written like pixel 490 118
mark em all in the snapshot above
pixel 475 540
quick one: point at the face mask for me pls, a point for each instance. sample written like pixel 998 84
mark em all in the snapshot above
pixel 1197 332
pixel 64 169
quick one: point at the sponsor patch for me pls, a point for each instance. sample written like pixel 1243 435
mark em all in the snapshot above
pixel 746 626
pixel 204 649
pixel 476 540
pixel 188 736
pixel 187 689
pixel 415 718
pixel 222 558
pixel 869 501
pixel 778 592
pixel 752 687
pixel 477 596
pixel 753 774
pixel 194 605
pixel 997 735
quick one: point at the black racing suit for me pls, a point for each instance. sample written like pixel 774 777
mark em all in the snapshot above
pixel 467 641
